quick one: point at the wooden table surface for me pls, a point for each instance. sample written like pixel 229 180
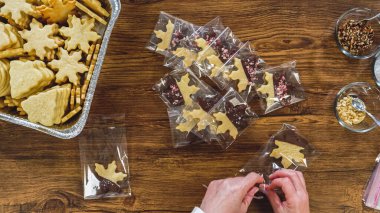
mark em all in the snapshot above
pixel 42 173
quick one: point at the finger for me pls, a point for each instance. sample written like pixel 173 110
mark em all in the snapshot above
pixel 292 175
pixel 285 184
pixel 300 175
pixel 274 200
pixel 214 183
pixel 251 180
pixel 249 196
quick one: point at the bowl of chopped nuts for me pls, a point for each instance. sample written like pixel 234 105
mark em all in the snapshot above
pixel 351 118
pixel 356 37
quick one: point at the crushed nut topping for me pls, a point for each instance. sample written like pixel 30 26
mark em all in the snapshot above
pixel 348 113
pixel 356 36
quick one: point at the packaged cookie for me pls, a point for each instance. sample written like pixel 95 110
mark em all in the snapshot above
pixel 168 33
pixel 286 149
pixel 218 53
pixel 104 158
pixel 181 125
pixel 181 87
pixel 187 51
pixel 190 124
pixel 281 87
pixel 241 72
pixel 182 32
pixel 230 117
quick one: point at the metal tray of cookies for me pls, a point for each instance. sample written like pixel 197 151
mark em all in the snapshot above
pixel 75 126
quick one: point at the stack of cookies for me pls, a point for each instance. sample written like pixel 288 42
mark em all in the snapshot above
pixel 48 51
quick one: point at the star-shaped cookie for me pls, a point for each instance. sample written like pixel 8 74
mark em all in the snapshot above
pixel 68 66
pixel 79 33
pixel 40 39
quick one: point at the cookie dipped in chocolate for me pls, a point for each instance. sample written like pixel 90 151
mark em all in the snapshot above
pixel 237 115
pixel 171 92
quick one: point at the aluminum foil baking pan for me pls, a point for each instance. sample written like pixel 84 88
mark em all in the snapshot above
pixel 75 126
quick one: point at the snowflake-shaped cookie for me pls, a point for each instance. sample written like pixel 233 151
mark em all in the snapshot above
pixel 17 11
pixel 40 39
pixel 68 66
pixel 56 11
pixel 79 33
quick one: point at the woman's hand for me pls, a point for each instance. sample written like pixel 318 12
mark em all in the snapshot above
pixel 292 183
pixel 232 195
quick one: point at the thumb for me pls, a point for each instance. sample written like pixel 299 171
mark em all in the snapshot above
pixel 248 198
pixel 251 180
pixel 274 200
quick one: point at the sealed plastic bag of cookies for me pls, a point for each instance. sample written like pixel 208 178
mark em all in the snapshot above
pixel 229 118
pixel 188 50
pixel 281 87
pixel 190 124
pixel 181 124
pixel 163 34
pixel 241 72
pixel 285 149
pixel 182 32
pixel 181 87
pixel 104 158
pixel 218 53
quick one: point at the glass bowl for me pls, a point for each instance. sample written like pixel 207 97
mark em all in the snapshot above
pixel 358 14
pixel 376 69
pixel 371 98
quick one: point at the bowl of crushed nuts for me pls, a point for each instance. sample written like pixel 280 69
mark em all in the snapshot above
pixel 357 37
pixel 351 118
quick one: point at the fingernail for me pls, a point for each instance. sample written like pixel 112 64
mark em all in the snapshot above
pixel 262 186
pixel 255 190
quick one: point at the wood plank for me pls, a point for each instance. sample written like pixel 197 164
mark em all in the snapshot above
pixel 42 174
